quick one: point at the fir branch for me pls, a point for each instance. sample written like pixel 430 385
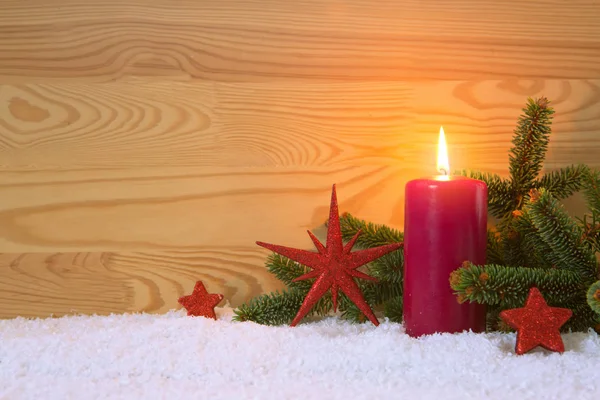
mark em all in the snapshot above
pixel 583 317
pixel 591 191
pixel 384 295
pixel 389 268
pixel 503 287
pixel 372 235
pixel 593 297
pixel 375 294
pixel 530 140
pixel 501 199
pixel 493 322
pixel 508 286
pixel 386 291
pixel 389 271
pixel 369 290
pixel 286 270
pixel 591 231
pixel 563 182
pixel 274 308
pixel 511 243
pixel 535 250
pixel 393 309
pixel 494 248
pixel 351 312
pixel 561 234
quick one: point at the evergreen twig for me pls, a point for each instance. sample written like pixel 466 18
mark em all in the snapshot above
pixel 511 243
pixel 276 308
pixel 530 142
pixel 393 309
pixel 526 157
pixel 562 236
pixel 496 284
pixel 286 270
pixel 593 298
pixel 563 182
pixel 494 248
pixel 591 221
pixel 591 190
pixel 372 235
pixel 534 249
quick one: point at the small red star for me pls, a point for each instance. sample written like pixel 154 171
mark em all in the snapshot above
pixel 200 303
pixel 333 265
pixel 537 324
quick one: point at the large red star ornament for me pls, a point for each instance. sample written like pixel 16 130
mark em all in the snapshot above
pixel 201 303
pixel 537 324
pixel 334 266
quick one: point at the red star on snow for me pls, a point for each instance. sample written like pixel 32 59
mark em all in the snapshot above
pixel 334 266
pixel 200 303
pixel 537 324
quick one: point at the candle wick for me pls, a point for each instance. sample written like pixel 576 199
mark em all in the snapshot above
pixel 443 171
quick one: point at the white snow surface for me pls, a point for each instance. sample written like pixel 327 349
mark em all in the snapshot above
pixel 173 356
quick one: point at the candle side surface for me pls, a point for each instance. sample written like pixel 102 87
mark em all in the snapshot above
pixel 445 224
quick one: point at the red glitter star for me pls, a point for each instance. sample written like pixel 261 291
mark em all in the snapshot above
pixel 334 266
pixel 200 303
pixel 537 324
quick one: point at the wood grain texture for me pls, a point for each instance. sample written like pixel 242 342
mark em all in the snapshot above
pixel 145 145
pixel 104 282
pixel 184 209
pixel 195 124
pixel 267 40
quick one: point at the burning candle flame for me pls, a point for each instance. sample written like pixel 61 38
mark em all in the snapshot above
pixel 443 165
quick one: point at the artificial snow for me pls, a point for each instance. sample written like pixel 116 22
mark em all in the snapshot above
pixel 173 356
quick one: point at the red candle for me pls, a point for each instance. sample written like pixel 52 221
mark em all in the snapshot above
pixel 445 224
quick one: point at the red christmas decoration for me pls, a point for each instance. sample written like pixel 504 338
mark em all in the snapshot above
pixel 200 303
pixel 537 324
pixel 334 266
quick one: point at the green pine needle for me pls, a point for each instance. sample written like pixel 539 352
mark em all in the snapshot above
pixel 393 309
pixel 583 317
pixel 351 313
pixel 508 286
pixel 563 182
pixel 593 297
pixel 389 268
pixel 372 235
pixel 504 287
pixel 493 321
pixel 272 308
pixel 562 235
pixel 511 243
pixel 534 249
pixel 494 248
pixel 530 142
pixel 286 270
pixel 591 190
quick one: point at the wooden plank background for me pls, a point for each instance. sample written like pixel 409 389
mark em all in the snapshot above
pixel 147 144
